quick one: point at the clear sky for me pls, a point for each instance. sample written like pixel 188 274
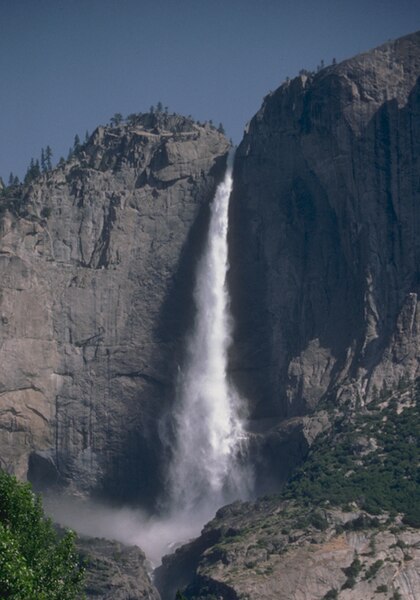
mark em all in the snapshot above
pixel 68 65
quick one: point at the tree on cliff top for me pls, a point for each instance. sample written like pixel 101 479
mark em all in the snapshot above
pixel 34 562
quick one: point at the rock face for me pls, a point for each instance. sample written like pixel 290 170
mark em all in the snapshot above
pixel 276 551
pixel 96 278
pixel 115 571
pixel 325 255
pixel 313 541
pixel 96 270
pixel 325 234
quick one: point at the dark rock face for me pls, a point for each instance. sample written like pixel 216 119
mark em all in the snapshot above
pixel 324 254
pixel 96 278
pixel 115 571
pixel 325 234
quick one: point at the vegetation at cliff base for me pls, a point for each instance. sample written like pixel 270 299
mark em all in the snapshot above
pixel 34 562
pixel 369 457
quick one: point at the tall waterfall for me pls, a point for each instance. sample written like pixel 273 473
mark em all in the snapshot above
pixel 205 471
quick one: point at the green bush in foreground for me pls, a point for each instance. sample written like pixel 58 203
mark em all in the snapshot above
pixel 34 562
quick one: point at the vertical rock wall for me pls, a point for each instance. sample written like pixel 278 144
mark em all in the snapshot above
pixel 325 237
pixel 96 269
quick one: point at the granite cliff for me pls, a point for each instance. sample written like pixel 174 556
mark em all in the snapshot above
pixel 325 233
pixel 324 243
pixel 96 269
pixel 96 262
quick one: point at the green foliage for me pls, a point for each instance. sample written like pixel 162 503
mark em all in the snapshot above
pixel 45 212
pixel 11 198
pixel 331 595
pixel 373 569
pixel 362 522
pixel 76 143
pixel 370 459
pixel 354 569
pixel 34 563
pixel 131 119
pixel 352 572
pixel 46 156
pixel 318 520
pixel 32 172
pixel 116 119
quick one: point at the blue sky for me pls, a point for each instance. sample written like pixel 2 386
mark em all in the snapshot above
pixel 68 65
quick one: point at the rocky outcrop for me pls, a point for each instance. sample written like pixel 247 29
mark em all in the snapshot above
pixel 96 269
pixel 345 527
pixel 278 551
pixel 115 571
pixel 325 231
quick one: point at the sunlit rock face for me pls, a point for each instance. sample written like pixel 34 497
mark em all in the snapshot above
pixel 96 277
pixel 325 234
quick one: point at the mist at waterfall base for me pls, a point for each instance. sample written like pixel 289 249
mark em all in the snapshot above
pixel 208 467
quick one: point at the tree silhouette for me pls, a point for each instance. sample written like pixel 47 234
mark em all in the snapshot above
pixel 43 161
pixel 116 119
pixel 33 171
pixel 48 156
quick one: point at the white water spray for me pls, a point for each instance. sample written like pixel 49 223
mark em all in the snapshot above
pixel 205 471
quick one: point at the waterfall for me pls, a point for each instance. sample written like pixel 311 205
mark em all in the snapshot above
pixel 205 471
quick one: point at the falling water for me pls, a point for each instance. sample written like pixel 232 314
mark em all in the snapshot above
pixel 205 471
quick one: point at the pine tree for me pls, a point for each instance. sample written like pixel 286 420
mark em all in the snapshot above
pixel 76 144
pixel 11 178
pixel 29 172
pixel 159 107
pixel 116 119
pixel 32 172
pixel 37 169
pixel 86 136
pixel 221 129
pixel 43 161
pixel 48 156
